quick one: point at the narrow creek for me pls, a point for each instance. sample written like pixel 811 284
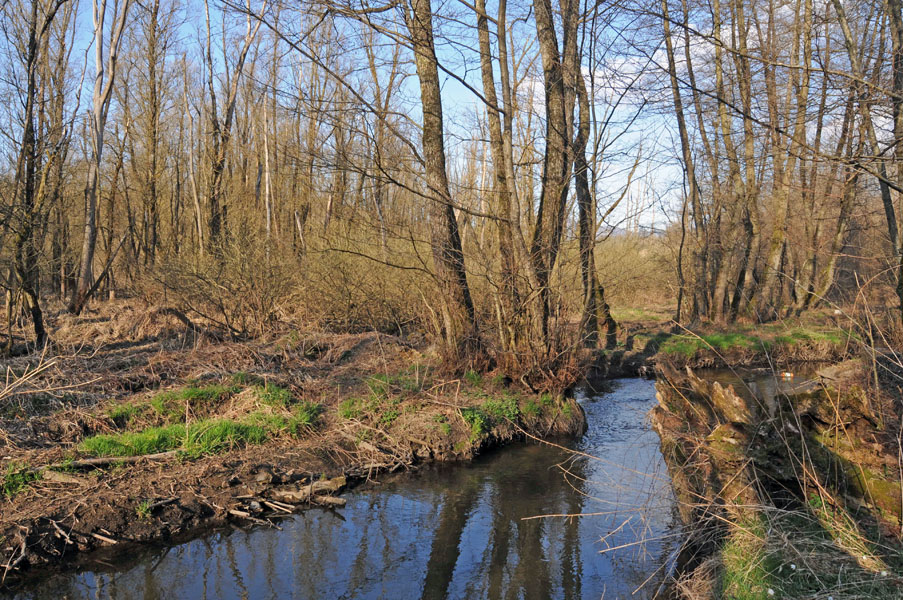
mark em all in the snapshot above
pixel 493 528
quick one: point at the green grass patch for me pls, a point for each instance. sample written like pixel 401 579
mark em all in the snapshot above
pixel 799 336
pixel 638 314
pixel 171 405
pixel 210 436
pixel 389 416
pixel 800 554
pixel 748 566
pixel 745 338
pixel 307 414
pixel 123 413
pixel 148 441
pixel 301 419
pixel 531 409
pixel 274 395
pixel 16 478
pixel 689 345
pixel 215 436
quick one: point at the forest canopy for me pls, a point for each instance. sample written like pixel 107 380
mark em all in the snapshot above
pixel 490 175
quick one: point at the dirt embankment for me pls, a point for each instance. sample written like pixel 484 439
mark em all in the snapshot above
pixel 802 498
pixel 817 338
pixel 152 431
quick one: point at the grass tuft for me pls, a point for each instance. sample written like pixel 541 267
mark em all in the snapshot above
pixel 274 395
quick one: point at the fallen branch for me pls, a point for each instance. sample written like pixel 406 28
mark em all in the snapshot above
pixel 103 461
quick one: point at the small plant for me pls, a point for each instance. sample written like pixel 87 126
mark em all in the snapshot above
pixel 531 409
pixel 379 385
pixel 546 399
pixel 505 408
pixel 307 414
pixel 478 421
pixel 16 478
pixel 66 466
pixel 473 378
pixel 816 502
pixel 144 509
pixel 388 417
pixel 442 422
pixel 350 408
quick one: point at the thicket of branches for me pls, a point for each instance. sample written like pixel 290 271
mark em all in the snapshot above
pixel 468 170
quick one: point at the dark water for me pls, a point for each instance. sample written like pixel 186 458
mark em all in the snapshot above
pixel 460 531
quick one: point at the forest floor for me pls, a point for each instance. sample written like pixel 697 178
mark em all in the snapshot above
pixel 136 429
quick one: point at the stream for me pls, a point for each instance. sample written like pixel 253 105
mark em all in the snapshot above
pixel 497 527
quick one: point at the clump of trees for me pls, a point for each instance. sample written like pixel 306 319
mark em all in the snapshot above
pixel 789 124
pixel 456 168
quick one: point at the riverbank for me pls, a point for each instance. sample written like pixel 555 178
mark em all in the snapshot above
pixel 796 499
pixel 647 339
pixel 152 433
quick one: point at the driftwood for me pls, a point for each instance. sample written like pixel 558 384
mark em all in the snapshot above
pixel 329 500
pixel 104 539
pixel 312 492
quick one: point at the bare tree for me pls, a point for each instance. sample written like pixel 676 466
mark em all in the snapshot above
pixel 104 79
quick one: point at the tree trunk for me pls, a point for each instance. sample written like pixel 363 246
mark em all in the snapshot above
pixel 461 335
pixel 103 92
